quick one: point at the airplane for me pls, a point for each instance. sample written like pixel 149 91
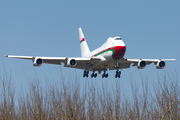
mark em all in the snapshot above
pixel 110 56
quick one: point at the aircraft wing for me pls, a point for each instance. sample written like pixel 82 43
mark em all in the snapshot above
pixel 81 62
pixel 148 61
pixel 50 60
pixel 126 62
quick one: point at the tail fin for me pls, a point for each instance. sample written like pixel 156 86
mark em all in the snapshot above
pixel 83 44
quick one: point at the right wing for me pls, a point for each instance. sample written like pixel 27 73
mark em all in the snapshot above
pixel 75 62
pixel 126 63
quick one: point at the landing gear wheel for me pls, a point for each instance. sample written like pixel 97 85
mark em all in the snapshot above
pixel 106 75
pixel 92 75
pixel 119 72
pixel 103 75
pixel 95 75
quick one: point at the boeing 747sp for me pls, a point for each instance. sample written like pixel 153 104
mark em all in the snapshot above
pixel 110 56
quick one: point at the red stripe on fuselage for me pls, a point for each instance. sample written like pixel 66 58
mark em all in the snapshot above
pixel 118 54
pixel 101 52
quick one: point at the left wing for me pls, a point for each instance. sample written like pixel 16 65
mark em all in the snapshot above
pixel 141 63
pixel 76 62
pixel 39 60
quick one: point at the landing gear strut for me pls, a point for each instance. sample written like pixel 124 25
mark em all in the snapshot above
pixel 105 74
pixel 86 72
pixel 93 75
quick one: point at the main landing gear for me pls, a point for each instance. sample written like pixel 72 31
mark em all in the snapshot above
pixel 93 75
pixel 105 74
pixel 86 72
pixel 118 74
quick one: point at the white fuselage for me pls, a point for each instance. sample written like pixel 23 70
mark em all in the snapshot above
pixel 106 51
pixel 113 49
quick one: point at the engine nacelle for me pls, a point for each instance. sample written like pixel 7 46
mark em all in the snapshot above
pixel 141 64
pixel 38 62
pixel 160 65
pixel 71 62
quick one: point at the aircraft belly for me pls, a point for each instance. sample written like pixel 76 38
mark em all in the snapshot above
pixel 100 65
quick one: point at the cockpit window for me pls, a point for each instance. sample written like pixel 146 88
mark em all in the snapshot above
pixel 117 39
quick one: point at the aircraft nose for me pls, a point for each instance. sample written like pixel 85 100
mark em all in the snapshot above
pixel 119 52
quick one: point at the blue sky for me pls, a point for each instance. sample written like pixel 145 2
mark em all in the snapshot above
pixel 150 29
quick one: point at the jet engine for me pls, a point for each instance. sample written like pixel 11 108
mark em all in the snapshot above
pixel 38 62
pixel 141 64
pixel 160 65
pixel 71 62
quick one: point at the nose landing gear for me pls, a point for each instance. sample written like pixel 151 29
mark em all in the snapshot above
pixel 118 73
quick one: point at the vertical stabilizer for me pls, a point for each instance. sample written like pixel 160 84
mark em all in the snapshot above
pixel 83 44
